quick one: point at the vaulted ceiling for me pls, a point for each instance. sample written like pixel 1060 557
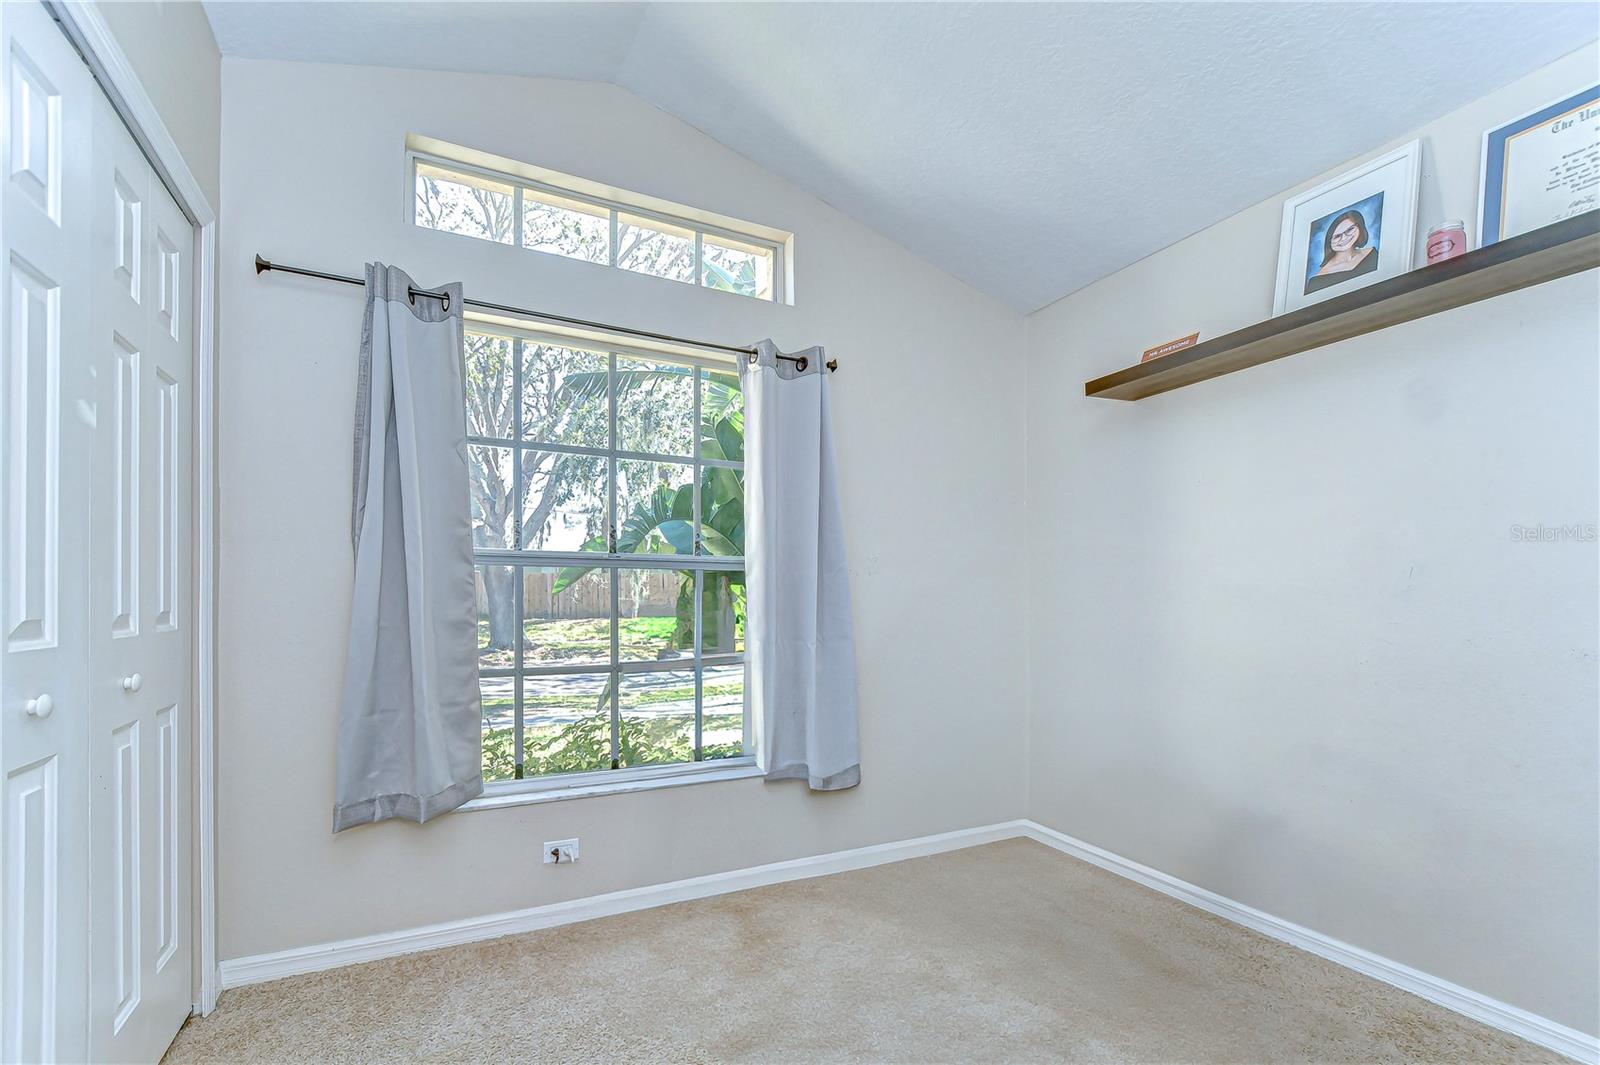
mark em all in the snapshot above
pixel 1028 149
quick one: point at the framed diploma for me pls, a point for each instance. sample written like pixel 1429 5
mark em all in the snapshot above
pixel 1540 168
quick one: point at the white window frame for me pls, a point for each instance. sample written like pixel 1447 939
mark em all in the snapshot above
pixel 550 787
pixel 521 177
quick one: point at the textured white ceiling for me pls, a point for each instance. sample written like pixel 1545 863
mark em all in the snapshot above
pixel 1028 149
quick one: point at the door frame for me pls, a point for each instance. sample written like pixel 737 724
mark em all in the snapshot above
pixel 88 31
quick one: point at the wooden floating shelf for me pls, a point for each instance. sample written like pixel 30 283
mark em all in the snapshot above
pixel 1529 259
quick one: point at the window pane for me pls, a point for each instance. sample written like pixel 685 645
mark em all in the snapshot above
pixel 722 612
pixel 565 227
pixel 566 616
pixel 566 723
pixel 722 716
pixel 493 520
pixel 721 416
pixel 465 203
pixel 655 407
pixel 655 508
pixel 499 736
pixel 722 512
pixel 735 267
pixel 564 501
pixel 655 614
pixel 657 717
pixel 564 396
pixel 497 617
pixel 652 247
pixel 488 386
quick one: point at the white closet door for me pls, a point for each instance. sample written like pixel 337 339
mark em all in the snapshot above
pixel 47 428
pixel 140 750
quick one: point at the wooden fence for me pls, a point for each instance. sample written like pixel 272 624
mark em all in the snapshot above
pixel 642 592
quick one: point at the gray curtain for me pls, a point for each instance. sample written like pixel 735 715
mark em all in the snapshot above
pixel 800 644
pixel 410 722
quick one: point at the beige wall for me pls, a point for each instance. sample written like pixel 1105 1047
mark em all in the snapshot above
pixel 929 437
pixel 171 48
pixel 1283 642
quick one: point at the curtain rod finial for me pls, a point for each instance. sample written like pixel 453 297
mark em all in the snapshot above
pixel 262 265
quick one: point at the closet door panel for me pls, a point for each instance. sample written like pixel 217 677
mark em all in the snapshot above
pixel 166 561
pixel 140 749
pixel 47 425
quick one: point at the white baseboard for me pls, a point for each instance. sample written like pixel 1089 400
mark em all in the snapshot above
pixel 1519 1022
pixel 1535 1029
pixel 256 968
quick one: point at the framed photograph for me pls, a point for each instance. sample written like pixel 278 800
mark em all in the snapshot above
pixel 1350 232
pixel 1540 167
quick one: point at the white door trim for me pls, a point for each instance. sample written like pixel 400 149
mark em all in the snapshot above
pixel 88 31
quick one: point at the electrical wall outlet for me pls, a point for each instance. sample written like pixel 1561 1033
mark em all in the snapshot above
pixel 561 852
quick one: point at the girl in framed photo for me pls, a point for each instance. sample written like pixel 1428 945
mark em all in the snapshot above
pixel 1348 251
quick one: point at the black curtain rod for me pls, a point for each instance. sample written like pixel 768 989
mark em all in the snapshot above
pixel 800 361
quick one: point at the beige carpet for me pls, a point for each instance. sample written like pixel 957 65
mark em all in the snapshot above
pixel 1008 952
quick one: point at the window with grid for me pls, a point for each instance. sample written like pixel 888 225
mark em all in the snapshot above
pixel 608 530
pixel 541 217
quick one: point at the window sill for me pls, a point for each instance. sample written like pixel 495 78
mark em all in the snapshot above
pixel 616 782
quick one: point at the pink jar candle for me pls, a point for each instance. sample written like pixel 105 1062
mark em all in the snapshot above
pixel 1446 241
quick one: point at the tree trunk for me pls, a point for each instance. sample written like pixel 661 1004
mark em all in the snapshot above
pixel 499 588
pixel 683 631
pixel 717 618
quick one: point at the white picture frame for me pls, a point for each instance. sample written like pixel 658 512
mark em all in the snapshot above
pixel 1365 217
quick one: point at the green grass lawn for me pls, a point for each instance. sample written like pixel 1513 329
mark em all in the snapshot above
pixel 583 745
pixel 533 705
pixel 581 639
pixel 586 744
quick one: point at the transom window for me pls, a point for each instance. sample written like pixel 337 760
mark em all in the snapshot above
pixel 540 216
pixel 608 531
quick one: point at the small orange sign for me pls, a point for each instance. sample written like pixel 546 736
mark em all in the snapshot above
pixel 1170 346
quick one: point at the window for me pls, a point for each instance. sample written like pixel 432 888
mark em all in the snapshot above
pixel 608 530
pixel 561 218
pixel 466 204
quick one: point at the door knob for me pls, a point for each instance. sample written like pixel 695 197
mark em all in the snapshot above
pixel 132 682
pixel 40 707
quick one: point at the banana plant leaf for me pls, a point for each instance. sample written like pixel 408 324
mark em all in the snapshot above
pixel 722 527
pixel 591 384
pixel 722 436
pixel 718 278
pixel 717 544
pixel 744 281
pixel 663 524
